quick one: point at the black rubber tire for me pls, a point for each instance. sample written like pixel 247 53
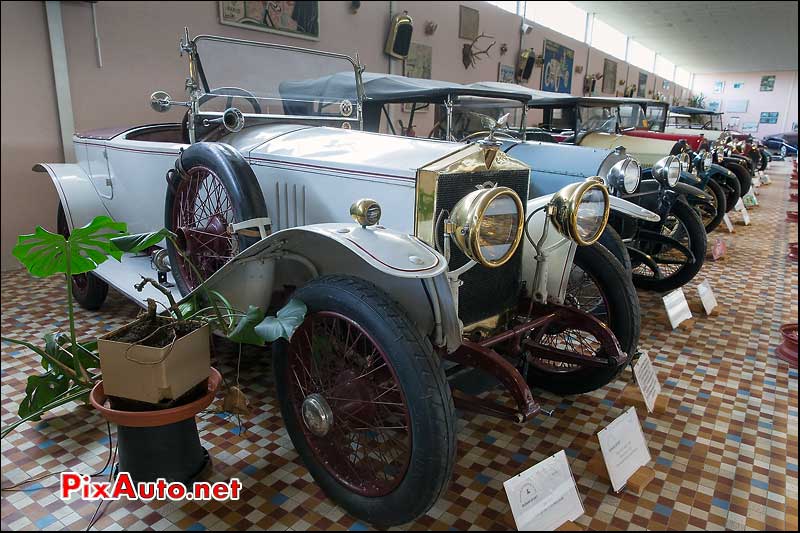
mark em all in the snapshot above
pixel 422 381
pixel 93 295
pixel 714 188
pixel 743 175
pixel 624 319
pixel 733 191
pixel 698 241
pixel 614 244
pixel 239 181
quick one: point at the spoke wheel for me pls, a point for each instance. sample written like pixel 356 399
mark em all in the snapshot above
pixel 355 417
pixel 201 215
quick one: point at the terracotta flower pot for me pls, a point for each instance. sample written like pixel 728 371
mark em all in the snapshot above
pixel 792 251
pixel 791 216
pixel 161 443
pixel 787 350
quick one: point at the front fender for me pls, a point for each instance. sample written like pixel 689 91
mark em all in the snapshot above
pixel 723 176
pixel 399 264
pixel 76 192
pixel 692 194
pixel 690 179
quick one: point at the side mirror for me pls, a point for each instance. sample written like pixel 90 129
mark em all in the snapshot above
pixel 160 101
pixel 233 119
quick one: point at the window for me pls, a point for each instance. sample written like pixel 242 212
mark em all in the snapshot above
pixel 563 17
pixel 640 56
pixel 609 40
pixel 682 77
pixel 511 7
pixel 664 68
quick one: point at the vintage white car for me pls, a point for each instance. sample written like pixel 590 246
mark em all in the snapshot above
pixel 448 266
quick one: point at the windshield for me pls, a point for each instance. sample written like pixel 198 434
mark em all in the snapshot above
pixel 273 80
pixel 697 122
pixel 473 115
pixel 598 119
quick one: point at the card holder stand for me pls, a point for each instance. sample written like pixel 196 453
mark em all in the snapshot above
pixel 696 305
pixel 631 395
pixel 636 483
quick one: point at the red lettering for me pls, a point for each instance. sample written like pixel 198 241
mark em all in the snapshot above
pixel 70 482
pixel 220 490
pixel 161 485
pixel 202 491
pixel 176 491
pixel 123 486
pixel 236 488
pixel 146 491
pixel 100 490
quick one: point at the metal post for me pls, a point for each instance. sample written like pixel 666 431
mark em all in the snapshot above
pixel 58 53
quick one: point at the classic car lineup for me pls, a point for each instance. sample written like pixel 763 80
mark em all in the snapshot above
pixel 487 245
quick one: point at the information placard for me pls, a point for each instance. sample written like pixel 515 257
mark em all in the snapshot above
pixel 745 217
pixel 544 496
pixel 728 223
pixel 707 296
pixel 624 448
pixel 739 205
pixel 677 307
pixel 718 249
pixel 647 380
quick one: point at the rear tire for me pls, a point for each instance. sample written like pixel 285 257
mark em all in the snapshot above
pixel 617 306
pixel 409 366
pixel 87 289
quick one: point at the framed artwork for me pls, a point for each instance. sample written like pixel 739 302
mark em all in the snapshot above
pixel 505 73
pixel 557 67
pixel 768 117
pixel 296 19
pixel 767 83
pixel 738 84
pixel 714 105
pixel 665 85
pixel 418 62
pixel 609 76
pixel 719 86
pixel 641 89
pixel 749 127
pixel 468 22
pixel 736 106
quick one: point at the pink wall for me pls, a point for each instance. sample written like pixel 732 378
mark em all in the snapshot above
pixel 139 43
pixel 782 99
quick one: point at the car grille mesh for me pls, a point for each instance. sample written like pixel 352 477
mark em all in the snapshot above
pixel 486 292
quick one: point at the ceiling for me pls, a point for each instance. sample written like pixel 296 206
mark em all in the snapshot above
pixel 709 36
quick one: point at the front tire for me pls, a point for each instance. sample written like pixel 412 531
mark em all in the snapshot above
pixel 614 244
pixel 598 285
pixel 711 221
pixel 358 359
pixel 684 225
pixel 87 289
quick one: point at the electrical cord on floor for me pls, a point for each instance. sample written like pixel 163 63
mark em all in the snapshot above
pixel 97 515
pixel 15 486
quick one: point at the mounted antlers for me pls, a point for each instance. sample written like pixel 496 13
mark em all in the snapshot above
pixel 469 56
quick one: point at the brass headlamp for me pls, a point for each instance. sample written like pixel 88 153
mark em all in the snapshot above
pixel 565 207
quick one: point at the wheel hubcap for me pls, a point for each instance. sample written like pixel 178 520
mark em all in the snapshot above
pixel 317 415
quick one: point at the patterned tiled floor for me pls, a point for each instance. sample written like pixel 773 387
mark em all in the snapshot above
pixel 724 452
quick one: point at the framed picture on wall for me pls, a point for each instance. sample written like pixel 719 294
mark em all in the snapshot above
pixel 719 86
pixel 468 22
pixel 609 76
pixel 767 83
pixel 768 117
pixel 738 84
pixel 557 67
pixel 418 62
pixel 665 85
pixel 641 89
pixel 505 73
pixel 714 105
pixel 749 127
pixel 296 19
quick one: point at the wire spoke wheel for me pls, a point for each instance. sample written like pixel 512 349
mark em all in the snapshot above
pixel 669 260
pixel 202 213
pixel 354 416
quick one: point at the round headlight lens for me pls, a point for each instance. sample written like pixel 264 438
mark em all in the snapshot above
pixel 591 214
pixel 487 225
pixel 366 212
pixel 497 231
pixel 685 161
pixel 708 160
pixel 632 176
pixel 673 172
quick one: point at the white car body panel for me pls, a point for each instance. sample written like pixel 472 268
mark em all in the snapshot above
pixel 646 151
pixel 711 135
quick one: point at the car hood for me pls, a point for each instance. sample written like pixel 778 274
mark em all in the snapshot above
pixel 646 151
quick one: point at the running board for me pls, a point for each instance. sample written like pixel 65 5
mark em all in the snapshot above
pixel 123 275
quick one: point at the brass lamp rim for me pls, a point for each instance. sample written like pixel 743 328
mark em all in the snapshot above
pixel 580 192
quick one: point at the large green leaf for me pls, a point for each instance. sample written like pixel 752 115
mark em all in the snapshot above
pixel 244 331
pixel 41 391
pixel 45 253
pixel 140 242
pixel 284 324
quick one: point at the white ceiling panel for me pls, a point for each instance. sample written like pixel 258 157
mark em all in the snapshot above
pixel 709 36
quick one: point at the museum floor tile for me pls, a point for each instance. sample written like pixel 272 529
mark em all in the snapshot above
pixel 724 451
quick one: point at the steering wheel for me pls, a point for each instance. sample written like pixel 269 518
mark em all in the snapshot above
pixel 506 134
pixel 231 92
pixel 706 125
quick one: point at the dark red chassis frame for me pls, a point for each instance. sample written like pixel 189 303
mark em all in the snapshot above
pixel 526 337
